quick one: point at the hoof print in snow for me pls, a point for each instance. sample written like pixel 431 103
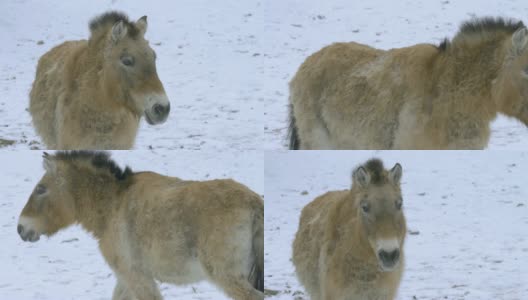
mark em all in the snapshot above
pixel 70 240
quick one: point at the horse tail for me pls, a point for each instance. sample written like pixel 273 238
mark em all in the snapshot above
pixel 256 275
pixel 293 135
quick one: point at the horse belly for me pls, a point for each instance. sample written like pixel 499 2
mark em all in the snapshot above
pixel 181 272
pixel 372 293
pixel 416 131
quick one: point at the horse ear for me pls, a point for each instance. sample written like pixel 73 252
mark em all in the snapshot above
pixel 119 31
pixel 361 176
pixel 395 174
pixel 48 163
pixel 141 24
pixel 520 40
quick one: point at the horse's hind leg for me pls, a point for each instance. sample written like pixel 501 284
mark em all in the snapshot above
pixel 314 135
pixel 237 287
pixel 136 285
pixel 120 292
pixel 228 269
pixel 227 262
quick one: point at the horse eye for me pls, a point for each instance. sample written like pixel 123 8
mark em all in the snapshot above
pixel 40 189
pixel 127 61
pixel 365 207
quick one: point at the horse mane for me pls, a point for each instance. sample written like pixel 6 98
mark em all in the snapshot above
pixel 104 22
pixel 376 170
pixel 98 159
pixel 485 27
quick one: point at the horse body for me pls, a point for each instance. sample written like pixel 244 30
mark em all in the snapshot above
pixel 91 94
pixel 336 254
pixel 174 251
pixel 152 227
pixel 352 96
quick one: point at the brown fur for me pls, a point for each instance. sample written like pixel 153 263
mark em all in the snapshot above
pixel 335 251
pixel 84 97
pixel 153 227
pixel 352 96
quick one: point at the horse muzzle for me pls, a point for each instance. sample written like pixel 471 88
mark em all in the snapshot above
pixel 158 110
pixel 389 259
pixel 27 235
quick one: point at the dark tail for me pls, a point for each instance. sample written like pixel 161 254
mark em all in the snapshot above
pixel 256 276
pixel 292 132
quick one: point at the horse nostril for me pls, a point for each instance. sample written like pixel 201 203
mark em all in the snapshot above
pixel 20 229
pixel 159 109
pixel 395 255
pixel 389 256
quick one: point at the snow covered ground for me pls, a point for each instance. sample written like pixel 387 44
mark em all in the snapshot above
pixel 468 210
pixel 207 52
pixel 294 29
pixel 225 66
pixel 69 264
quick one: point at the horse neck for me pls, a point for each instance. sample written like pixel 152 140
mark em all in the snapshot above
pixel 474 61
pixel 94 61
pixel 96 200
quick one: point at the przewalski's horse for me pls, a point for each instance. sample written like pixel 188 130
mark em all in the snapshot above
pixel 91 94
pixel 349 245
pixel 153 227
pixel 352 96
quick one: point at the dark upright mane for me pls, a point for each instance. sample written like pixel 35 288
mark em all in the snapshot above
pixel 99 159
pixel 485 25
pixel 376 170
pixel 108 19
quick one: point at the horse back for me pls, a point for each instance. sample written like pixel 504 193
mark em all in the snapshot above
pixel 322 68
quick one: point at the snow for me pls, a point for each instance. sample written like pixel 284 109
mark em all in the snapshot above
pixel 205 50
pixel 295 29
pixel 69 264
pixel 225 66
pixel 468 207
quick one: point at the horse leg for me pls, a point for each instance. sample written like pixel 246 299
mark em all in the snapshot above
pixel 137 285
pixel 236 287
pixel 227 262
pixel 120 292
pixel 315 136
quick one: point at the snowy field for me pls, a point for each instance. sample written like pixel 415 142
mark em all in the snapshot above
pixel 468 212
pixel 69 265
pixel 207 52
pixel 294 29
